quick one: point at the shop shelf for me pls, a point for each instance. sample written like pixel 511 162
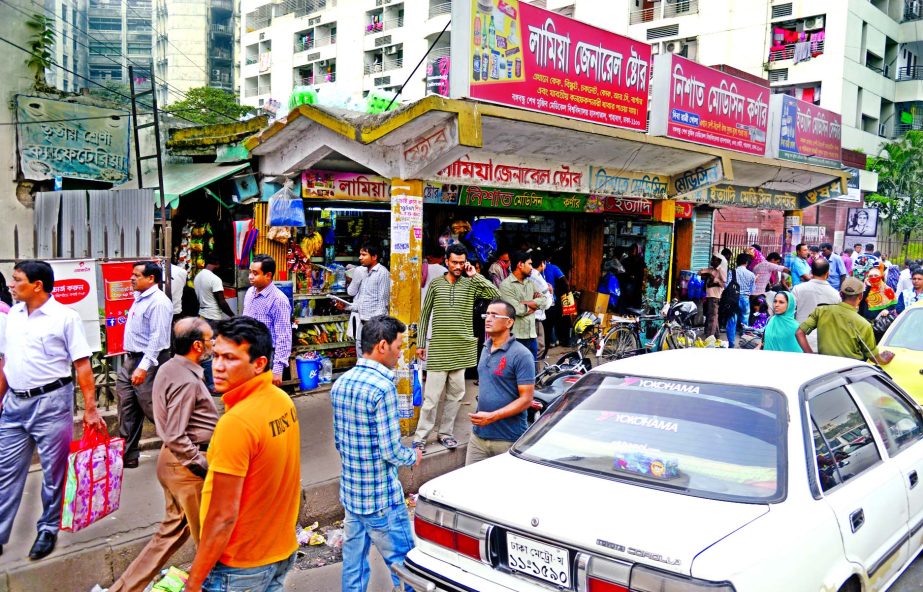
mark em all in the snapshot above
pixel 297 297
pixel 321 319
pixel 321 346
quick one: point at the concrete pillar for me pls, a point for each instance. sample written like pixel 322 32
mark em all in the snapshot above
pixel 406 274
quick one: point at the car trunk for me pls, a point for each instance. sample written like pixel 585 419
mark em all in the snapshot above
pixel 623 520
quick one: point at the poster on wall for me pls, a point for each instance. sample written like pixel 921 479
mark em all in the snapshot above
pixel 862 222
pixel 118 297
pixel 70 140
pixel 516 54
pixel 75 288
pixel 700 104
pixel 803 132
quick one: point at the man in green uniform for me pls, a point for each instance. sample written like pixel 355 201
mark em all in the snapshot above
pixel 452 347
pixel 841 330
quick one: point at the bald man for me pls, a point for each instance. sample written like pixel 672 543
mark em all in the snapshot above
pixel 185 415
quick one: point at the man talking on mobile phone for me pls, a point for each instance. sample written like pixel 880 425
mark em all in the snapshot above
pixel 452 347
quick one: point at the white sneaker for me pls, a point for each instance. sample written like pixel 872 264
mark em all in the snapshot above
pixel 98 588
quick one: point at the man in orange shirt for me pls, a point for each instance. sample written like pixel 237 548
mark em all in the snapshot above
pixel 253 487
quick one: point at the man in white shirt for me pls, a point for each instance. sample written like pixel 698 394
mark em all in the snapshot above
pixel 178 277
pixel 542 287
pixel 856 251
pixel 213 307
pixel 147 346
pixel 371 287
pixel 43 339
pixel 813 293
pixel 904 283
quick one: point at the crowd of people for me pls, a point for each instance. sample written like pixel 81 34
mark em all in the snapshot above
pixel 813 300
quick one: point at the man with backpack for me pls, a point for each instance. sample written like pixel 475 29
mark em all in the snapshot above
pixel 735 300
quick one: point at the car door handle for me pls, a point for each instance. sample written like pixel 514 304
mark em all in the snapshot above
pixel 857 519
pixel 913 479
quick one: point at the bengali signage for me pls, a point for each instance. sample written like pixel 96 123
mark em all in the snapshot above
pixel 697 178
pixel 745 197
pixel 441 193
pixel 500 172
pixel 703 105
pixel 118 297
pixel 338 185
pixel 634 207
pixel 803 132
pixel 517 199
pixel 821 194
pixel 623 183
pixel 75 288
pixel 514 53
pixel 62 139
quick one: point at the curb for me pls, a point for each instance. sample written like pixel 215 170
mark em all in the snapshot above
pixel 101 563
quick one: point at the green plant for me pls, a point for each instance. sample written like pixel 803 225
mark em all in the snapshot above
pixel 206 106
pixel 899 198
pixel 41 45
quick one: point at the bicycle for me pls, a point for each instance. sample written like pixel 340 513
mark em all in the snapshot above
pixel 624 338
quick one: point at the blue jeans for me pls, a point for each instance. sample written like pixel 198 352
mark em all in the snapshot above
pixel 389 529
pixel 532 345
pixel 743 314
pixel 207 375
pixel 265 578
pixel 45 422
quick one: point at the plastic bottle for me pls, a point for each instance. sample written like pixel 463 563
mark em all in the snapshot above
pixel 477 29
pixel 492 34
pixel 326 370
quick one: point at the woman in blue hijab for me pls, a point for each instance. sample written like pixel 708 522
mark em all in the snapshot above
pixel 780 330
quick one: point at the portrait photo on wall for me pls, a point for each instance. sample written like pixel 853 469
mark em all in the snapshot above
pixel 862 222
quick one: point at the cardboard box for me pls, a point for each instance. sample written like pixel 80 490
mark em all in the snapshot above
pixel 594 302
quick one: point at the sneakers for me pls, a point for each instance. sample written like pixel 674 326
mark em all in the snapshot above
pixel 449 442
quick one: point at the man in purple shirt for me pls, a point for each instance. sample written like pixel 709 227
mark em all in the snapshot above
pixel 267 304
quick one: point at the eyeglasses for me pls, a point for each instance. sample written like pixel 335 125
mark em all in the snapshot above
pixel 495 315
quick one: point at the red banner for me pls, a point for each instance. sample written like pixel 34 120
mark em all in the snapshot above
pixel 119 297
pixel 703 105
pixel 528 57
pixel 637 207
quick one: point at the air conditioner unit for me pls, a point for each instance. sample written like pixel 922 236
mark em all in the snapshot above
pixel 391 50
pixel 813 24
pixel 322 63
pixel 881 130
pixel 673 47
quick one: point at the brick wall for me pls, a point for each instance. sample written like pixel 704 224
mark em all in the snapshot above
pixel 738 220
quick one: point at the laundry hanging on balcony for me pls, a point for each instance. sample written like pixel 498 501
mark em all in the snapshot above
pixel 802 52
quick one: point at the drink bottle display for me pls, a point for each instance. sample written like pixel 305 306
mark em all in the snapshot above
pixel 477 30
pixel 477 65
pixel 491 34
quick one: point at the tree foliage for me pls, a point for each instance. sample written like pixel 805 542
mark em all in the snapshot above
pixel 206 105
pixel 899 198
pixel 41 45
pixel 113 91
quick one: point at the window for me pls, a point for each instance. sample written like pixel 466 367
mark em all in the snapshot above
pixel 847 446
pixel 907 332
pixel 895 421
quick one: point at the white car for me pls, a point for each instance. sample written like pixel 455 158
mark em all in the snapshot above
pixel 689 470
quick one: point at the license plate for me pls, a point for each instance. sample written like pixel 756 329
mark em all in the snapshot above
pixel 538 560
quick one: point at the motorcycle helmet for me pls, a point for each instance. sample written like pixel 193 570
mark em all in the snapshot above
pixel 683 313
pixel 585 322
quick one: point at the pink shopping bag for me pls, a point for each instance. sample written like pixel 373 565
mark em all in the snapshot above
pixel 93 484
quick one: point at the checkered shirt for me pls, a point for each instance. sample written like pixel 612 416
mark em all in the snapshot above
pixel 367 435
pixel 270 306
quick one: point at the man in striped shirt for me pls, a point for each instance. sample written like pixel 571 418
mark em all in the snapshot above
pixel 270 306
pixel 452 347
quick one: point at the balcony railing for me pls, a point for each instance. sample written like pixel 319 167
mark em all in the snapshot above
pixel 372 68
pixel 914 73
pixel 251 91
pixel 222 4
pixel 394 64
pixel 372 28
pixel 787 52
pixel 304 45
pixel 263 89
pixel 439 52
pixel 913 10
pixel 221 29
pixel 663 10
pixel 437 8
pixel 252 60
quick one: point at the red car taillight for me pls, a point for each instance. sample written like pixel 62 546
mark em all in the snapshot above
pixel 449 529
pixel 599 574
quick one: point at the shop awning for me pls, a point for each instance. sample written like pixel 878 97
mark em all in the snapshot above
pixel 180 179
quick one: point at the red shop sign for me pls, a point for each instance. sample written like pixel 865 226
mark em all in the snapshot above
pixel 636 207
pixel 516 54
pixel 684 210
pixel 706 106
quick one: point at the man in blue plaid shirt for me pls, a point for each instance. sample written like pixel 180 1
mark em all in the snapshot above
pixel 368 437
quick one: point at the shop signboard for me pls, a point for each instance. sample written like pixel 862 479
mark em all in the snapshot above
pixel 498 171
pixel 339 185
pixel 683 210
pixel 624 205
pixel 745 197
pixel 803 132
pixel 697 178
pixel 118 296
pixel 516 54
pixel 75 288
pixel 821 194
pixel 441 193
pixel 62 139
pixel 699 104
pixel 627 184
pixel 516 199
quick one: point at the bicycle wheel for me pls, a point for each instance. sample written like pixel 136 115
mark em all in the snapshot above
pixel 618 342
pixel 678 338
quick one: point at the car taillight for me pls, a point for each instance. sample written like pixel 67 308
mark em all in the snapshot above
pixel 449 529
pixel 598 574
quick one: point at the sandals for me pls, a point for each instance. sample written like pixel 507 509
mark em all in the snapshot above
pixel 449 442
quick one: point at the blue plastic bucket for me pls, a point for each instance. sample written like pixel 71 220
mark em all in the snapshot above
pixel 308 373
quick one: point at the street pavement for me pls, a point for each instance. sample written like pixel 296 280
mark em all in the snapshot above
pixel 327 578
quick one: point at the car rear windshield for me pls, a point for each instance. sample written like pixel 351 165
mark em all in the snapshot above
pixel 908 332
pixel 708 440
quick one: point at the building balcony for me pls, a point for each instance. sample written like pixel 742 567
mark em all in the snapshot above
pixel 222 5
pixel 663 10
pixel 387 25
pixel 436 8
pixel 787 52
pixel 914 73
pixel 913 10
pixel 263 89
pixel 221 30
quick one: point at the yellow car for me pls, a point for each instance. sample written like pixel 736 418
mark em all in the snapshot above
pixel 905 339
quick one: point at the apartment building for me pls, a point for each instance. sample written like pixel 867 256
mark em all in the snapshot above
pixel 70 17
pixel 195 45
pixel 117 31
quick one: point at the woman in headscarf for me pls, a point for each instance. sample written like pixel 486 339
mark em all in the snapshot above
pixel 780 330
pixel 879 297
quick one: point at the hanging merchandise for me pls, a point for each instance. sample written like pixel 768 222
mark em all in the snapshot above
pixel 482 238
pixel 279 234
pixel 242 232
pixel 286 208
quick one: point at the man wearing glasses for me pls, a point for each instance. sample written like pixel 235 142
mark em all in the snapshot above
pixel 506 372
pixel 185 416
